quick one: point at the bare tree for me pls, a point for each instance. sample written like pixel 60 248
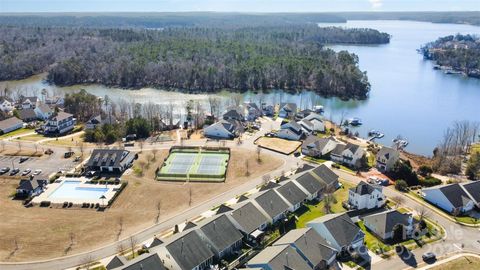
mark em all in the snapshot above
pixel 133 243
pixel 81 148
pixel 422 212
pixel 247 169
pixel 3 145
pixel 214 104
pixel 328 200
pixel 159 207
pixel 266 178
pixel 87 262
pixel 259 151
pixel 398 200
pixel 35 145
pixel 19 144
pixel 120 227
pixel 154 152
pixel 141 144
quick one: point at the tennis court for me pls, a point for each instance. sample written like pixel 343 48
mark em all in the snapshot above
pixel 194 165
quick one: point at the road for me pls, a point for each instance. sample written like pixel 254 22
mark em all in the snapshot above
pixel 458 238
pixel 289 163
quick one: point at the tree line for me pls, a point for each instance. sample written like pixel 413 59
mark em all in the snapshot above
pixel 289 57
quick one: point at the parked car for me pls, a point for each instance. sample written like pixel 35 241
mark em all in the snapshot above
pixel 14 171
pixel 23 159
pixel 68 154
pixel 428 256
pixel 37 172
pixel 26 172
pixel 48 151
pixel 4 170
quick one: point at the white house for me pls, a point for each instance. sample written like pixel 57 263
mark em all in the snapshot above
pixel 450 198
pixel 314 146
pixel 60 123
pixel 386 159
pixel 307 126
pixel 366 196
pixel 223 129
pixel 10 124
pixel 6 104
pixel 29 102
pixel 43 111
pixel 348 154
pixel 316 120
pixel 383 224
pixel 290 131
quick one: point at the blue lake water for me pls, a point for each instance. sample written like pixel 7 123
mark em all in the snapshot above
pixel 70 190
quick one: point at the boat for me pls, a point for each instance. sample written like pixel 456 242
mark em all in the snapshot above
pixel 375 134
pixel 355 121
pixel 318 108
pixel 401 143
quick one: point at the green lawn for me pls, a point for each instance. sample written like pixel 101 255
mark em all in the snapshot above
pixel 475 148
pixel 372 242
pixel 16 133
pixel 371 159
pixel 313 211
pixel 467 220
pixel 314 160
pixel 32 138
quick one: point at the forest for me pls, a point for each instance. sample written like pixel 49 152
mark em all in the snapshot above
pixel 457 52
pixel 193 59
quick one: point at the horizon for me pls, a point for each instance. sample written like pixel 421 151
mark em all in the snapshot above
pixel 235 6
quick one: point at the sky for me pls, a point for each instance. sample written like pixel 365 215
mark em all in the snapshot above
pixel 235 5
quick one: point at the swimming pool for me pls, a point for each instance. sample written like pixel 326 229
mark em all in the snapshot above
pixel 71 190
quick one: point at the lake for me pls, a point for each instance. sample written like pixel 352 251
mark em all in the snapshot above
pixel 408 97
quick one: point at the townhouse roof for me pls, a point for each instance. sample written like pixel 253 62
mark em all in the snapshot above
pixel 292 193
pixel 340 226
pixel 188 250
pixel 282 257
pixel 147 261
pixel 221 232
pixel 326 174
pixel 310 183
pixel 249 217
pixel 272 203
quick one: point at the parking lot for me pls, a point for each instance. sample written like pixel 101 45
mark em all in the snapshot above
pixel 48 164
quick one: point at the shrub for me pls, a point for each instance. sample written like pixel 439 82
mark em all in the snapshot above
pixel 401 185
pixel 430 182
pixel 425 171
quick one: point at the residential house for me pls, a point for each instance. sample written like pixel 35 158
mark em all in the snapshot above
pixel 310 246
pixel 383 224
pixel 349 154
pixel 473 190
pixel 234 113
pixel 28 115
pixel 302 114
pixel 223 129
pixel 59 123
pixel 280 257
pixel 327 176
pixel 268 110
pixel 290 131
pixel 55 101
pixel 29 102
pixel 293 194
pixel 307 126
pixel 272 204
pixel 287 110
pixel 339 231
pixel 185 251
pixel 146 261
pixel 6 104
pixel 110 160
pixel 386 159
pixel 451 198
pixel 366 196
pixel 314 146
pixel 317 121
pixel 27 187
pixel 252 111
pixel 43 111
pixel 250 220
pixel 100 120
pixel 10 124
pixel 222 236
pixel 311 185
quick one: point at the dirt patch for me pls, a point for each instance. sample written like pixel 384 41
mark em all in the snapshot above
pixel 43 233
pixel 278 145
pixel 416 160
pixel 23 153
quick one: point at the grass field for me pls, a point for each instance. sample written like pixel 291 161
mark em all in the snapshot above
pixel 17 132
pixel 278 145
pixel 32 138
pixel 463 263
pixel 314 211
pixel 135 209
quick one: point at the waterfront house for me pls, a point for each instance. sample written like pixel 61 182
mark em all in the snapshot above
pixel 223 129
pixel 310 246
pixel 28 188
pixel 293 194
pixel 6 104
pixel 252 111
pixel 185 251
pixel 100 120
pixel 314 146
pixel 339 231
pixel 348 154
pixel 221 236
pixel 28 115
pixel 302 114
pixel 272 204
pixel 234 113
pixel 268 110
pixel 384 224
pixel 280 257
pixel 287 110
pixel 386 159
pixel 290 131
pixel 317 121
pixel 29 102
pixel 43 111
pixel 366 196
pixel 59 123
pixel 451 198
pixel 10 124
pixel 249 219
pixel 110 160
pixel 307 126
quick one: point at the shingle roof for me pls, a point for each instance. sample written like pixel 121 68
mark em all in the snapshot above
pixel 147 261
pixel 188 250
pixel 473 188
pixel 104 157
pixel 32 99
pixel 44 108
pixel 338 150
pixel 272 203
pixel 30 185
pixel 221 232
pixel 292 193
pixel 291 107
pixel 9 122
pixel 352 147
pixel 280 258
pixel 326 174
pixel 310 183
pixel 314 247
pixel 385 221
pixel 223 209
pixel 242 198
pixel 117 261
pixel 60 116
pixel 386 152
pixel 156 242
pixel 249 217
pixel 363 188
pixel 455 194
pixel 340 226
pixel 269 185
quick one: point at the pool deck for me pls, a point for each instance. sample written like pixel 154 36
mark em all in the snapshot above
pixel 51 188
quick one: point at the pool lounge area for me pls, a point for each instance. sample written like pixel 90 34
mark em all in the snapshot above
pixel 77 192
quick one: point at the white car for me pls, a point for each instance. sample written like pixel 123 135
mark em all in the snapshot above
pixel 37 172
